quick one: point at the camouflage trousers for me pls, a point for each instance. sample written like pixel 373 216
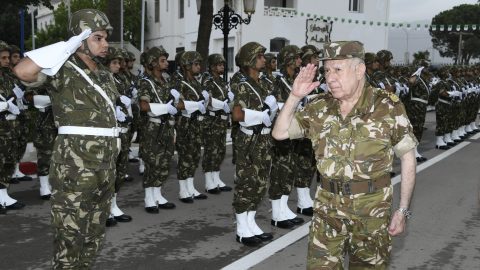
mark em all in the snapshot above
pixel 7 152
pixel 45 133
pixel 442 119
pixel 456 116
pixel 214 143
pixel 189 146
pixel 416 112
pixel 122 160
pixel 233 134
pixel 81 201
pixel 22 131
pixel 357 224
pixel 281 176
pixel 303 163
pixel 253 163
pixel 157 153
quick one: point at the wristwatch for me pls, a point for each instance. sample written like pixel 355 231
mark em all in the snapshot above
pixel 405 212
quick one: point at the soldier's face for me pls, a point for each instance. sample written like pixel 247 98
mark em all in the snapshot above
pixel 4 59
pixel 196 68
pixel 375 65
pixel 298 61
pixel 343 77
pixel 219 68
pixel 315 60
pixel 130 64
pixel 97 43
pixel 273 64
pixel 260 63
pixel 162 63
pixel 14 58
pixel 114 66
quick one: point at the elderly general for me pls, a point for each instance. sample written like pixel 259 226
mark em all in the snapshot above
pixel 355 131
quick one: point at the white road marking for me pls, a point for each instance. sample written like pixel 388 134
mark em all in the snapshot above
pixel 273 247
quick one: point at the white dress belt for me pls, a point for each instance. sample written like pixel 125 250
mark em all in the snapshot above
pixel 419 100
pixel 444 101
pixel 92 131
pixel 250 132
pixel 155 120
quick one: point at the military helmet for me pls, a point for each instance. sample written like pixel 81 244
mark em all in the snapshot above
pixel 443 72
pixel 89 19
pixel 14 49
pixel 113 54
pixel 154 53
pixel 131 56
pixel 190 57
pixel 288 54
pixel 369 58
pixel 384 56
pixel 307 52
pixel 237 60
pixel 143 58
pixel 247 55
pixel 4 46
pixel 215 59
pixel 178 56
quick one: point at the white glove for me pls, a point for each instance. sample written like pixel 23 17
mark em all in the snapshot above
pixel 76 41
pixel 121 116
pixel 266 118
pixel 3 106
pixel 226 107
pixel 381 85
pixel 201 106
pixel 125 100
pixel 18 92
pixel 134 92
pixel 405 89
pixel 418 72
pixel 175 94
pixel 230 95
pixel 171 109
pixel 12 107
pixel 205 95
pixel 271 102
pixel 398 89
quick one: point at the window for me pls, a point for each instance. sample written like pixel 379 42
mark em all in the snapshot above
pixel 355 6
pixel 279 3
pixel 277 44
pixel 181 8
pixel 157 11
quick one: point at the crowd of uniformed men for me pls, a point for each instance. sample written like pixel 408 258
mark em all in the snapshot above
pixel 149 107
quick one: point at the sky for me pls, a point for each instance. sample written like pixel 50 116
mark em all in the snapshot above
pixel 421 10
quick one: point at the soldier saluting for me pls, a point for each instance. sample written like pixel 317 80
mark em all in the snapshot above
pixel 82 172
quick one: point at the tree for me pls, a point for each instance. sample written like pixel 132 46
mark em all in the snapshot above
pixel 205 29
pixel 420 55
pixel 446 42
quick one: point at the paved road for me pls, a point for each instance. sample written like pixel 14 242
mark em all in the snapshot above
pixel 442 235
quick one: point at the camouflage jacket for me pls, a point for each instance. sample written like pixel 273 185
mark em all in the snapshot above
pixel 248 98
pixel 282 87
pixel 76 103
pixel 218 89
pixel 360 146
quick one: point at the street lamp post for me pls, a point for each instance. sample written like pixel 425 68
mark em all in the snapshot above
pixel 226 19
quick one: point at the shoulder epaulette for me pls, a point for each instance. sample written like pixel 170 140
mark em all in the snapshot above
pixel 391 96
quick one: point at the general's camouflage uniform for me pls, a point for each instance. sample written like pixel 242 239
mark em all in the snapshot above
pixel 356 149
pixel 82 173
pixel 253 157
pixel 157 143
pixel 215 127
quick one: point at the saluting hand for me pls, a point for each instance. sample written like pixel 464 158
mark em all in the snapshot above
pixel 303 85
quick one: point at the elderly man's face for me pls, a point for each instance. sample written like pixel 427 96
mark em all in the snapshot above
pixel 343 77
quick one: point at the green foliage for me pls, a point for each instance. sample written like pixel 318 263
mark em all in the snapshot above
pixel 446 42
pixel 59 30
pixel 421 55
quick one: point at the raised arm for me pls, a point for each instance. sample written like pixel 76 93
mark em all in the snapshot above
pixel 26 70
pixel 302 86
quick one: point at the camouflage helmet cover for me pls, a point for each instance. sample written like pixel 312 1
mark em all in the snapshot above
pixel 143 58
pixel 14 49
pixel 178 56
pixel 190 57
pixel 369 58
pixel 307 52
pixel 288 54
pixel 4 46
pixel 215 59
pixel 89 19
pixel 154 53
pixel 269 57
pixel 247 55
pixel 384 56
pixel 131 56
pixel 339 50
pixel 113 54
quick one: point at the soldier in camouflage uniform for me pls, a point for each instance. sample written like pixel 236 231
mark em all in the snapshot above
pixel 283 164
pixel 371 64
pixel 124 113
pixel 9 112
pixel 234 81
pixel 215 124
pixel 381 77
pixel 355 130
pixel 270 67
pixel 442 101
pixel 189 125
pixel 45 134
pixel 82 172
pixel 254 112
pixel 159 102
